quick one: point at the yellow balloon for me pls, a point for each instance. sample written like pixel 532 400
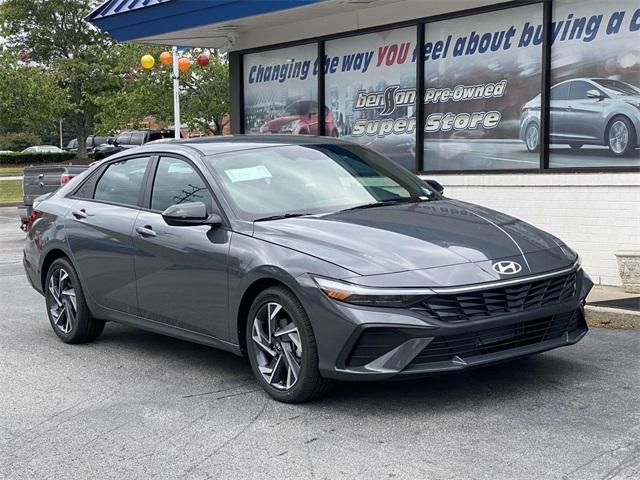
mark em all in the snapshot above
pixel 147 61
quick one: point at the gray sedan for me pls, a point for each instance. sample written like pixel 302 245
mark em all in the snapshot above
pixel 316 258
pixel 587 111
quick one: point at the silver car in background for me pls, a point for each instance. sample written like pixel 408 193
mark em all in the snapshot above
pixel 587 111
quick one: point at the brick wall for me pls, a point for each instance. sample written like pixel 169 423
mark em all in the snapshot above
pixel 596 214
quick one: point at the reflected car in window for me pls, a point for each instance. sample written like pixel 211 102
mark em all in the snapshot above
pixel 587 111
pixel 316 258
pixel 301 118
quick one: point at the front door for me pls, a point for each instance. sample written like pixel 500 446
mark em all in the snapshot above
pixel 181 271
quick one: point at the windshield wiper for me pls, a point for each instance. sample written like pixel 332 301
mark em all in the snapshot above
pixel 385 203
pixel 280 217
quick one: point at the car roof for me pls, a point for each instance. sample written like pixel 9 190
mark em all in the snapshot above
pixel 231 143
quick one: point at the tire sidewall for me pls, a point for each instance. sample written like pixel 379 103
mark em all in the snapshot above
pixel 526 135
pixel 82 311
pixel 309 350
pixel 631 145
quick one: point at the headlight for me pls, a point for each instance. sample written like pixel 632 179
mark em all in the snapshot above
pixel 371 296
pixel 290 127
pixel 635 104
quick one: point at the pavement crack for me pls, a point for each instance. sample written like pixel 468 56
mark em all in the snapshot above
pixel 227 442
pixel 218 391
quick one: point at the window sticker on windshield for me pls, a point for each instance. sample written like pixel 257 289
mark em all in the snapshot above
pixel 259 172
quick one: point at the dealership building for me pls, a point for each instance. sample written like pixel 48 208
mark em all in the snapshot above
pixel 528 107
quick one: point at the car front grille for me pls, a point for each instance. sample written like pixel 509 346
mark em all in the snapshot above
pixel 498 301
pixel 498 339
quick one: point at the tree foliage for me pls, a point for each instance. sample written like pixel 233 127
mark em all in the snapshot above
pixel 93 81
pixel 30 98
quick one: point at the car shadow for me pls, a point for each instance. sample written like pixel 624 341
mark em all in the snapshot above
pixel 454 390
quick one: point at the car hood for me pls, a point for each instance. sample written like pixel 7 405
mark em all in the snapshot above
pixel 416 236
pixel 281 121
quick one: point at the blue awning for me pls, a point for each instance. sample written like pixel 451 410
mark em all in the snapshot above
pixel 128 20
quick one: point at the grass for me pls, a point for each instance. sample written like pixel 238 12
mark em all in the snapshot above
pixel 10 191
pixel 11 170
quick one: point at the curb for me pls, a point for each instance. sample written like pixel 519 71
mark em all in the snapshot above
pixel 612 318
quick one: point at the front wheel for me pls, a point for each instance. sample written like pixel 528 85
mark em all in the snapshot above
pixel 66 306
pixel 282 349
pixel 621 137
pixel 532 137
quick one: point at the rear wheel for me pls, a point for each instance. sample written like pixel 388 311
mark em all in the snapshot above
pixel 532 137
pixel 66 306
pixel 621 137
pixel 282 348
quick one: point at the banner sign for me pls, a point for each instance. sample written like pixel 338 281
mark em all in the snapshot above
pixel 482 76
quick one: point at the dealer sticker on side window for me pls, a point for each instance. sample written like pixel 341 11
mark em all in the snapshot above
pixel 259 172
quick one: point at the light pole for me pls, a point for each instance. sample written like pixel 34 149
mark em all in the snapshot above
pixel 176 94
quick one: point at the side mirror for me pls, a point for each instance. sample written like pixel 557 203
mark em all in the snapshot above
pixel 192 213
pixel 433 185
pixel 595 94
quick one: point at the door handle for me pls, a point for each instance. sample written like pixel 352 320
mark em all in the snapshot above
pixel 146 231
pixel 79 214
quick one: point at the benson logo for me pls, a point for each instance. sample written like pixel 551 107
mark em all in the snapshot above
pixel 507 267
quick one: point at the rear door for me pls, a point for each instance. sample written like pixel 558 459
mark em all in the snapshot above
pixel 100 227
pixel 181 271
pixel 558 112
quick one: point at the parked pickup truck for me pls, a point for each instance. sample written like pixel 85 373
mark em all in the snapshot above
pixel 40 180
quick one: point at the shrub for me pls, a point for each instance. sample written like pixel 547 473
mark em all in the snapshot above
pixel 18 141
pixel 29 158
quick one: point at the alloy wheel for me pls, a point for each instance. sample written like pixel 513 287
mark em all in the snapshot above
pixel 533 137
pixel 279 349
pixel 62 296
pixel 618 137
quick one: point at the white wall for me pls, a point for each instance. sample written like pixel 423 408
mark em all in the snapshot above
pixel 595 214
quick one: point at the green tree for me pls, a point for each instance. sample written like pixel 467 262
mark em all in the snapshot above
pixel 30 98
pixel 55 37
pixel 205 97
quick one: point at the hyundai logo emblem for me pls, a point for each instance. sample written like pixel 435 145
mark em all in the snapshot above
pixel 507 267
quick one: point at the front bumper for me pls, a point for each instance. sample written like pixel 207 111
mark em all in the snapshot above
pixel 363 343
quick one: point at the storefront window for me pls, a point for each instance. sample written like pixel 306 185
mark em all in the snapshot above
pixel 370 91
pixel 482 83
pixel 281 91
pixel 595 77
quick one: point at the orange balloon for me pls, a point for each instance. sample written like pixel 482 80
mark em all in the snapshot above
pixel 184 64
pixel 166 58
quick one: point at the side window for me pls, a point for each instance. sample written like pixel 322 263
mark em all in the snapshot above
pixel 560 92
pixel 124 138
pixel 176 181
pixel 137 138
pixel 121 181
pixel 579 90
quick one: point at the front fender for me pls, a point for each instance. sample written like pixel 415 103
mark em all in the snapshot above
pixel 252 260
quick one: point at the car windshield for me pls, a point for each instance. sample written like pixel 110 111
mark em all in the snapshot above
pixel 292 180
pixel 298 108
pixel 618 87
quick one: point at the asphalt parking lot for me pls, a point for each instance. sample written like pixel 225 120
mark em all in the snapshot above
pixel 139 405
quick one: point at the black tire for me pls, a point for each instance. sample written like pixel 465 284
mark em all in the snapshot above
pixel 530 133
pixel 83 326
pixel 575 146
pixel 632 138
pixel 310 384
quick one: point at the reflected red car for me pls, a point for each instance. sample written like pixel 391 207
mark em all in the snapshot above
pixel 301 118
